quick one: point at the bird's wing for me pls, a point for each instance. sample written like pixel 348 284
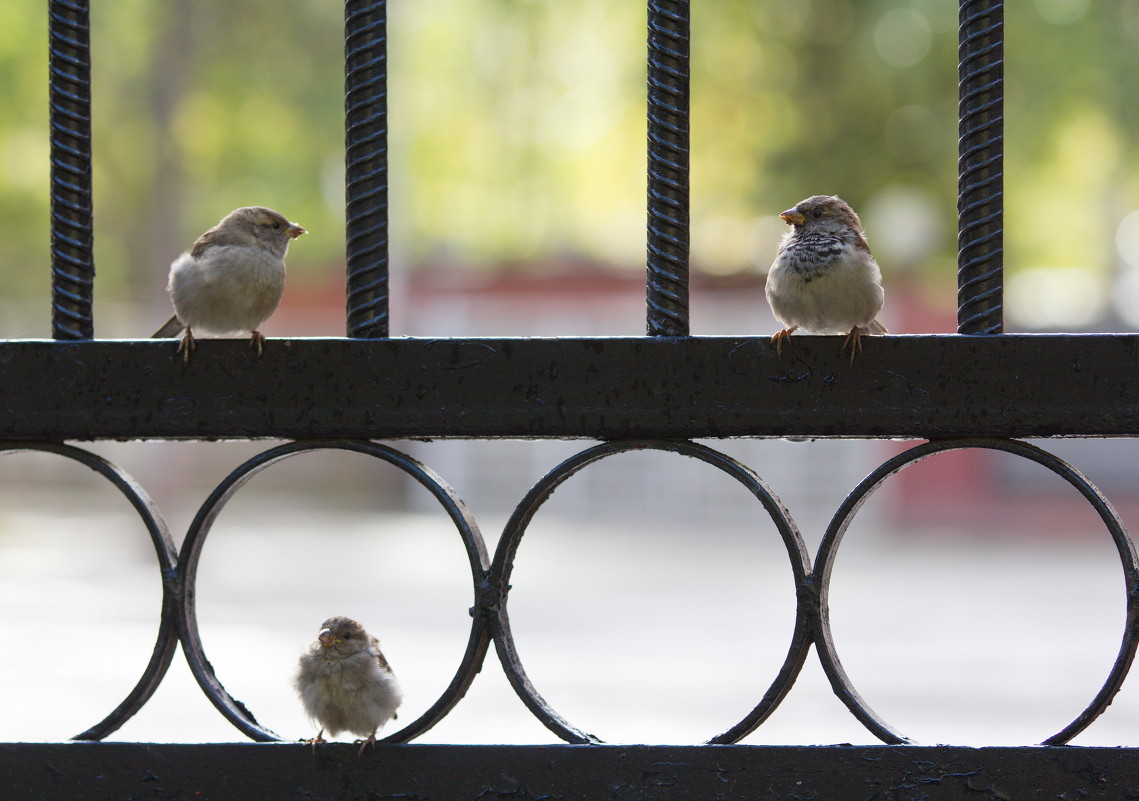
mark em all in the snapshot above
pixel 375 644
pixel 215 236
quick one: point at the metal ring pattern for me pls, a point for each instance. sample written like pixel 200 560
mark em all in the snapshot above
pixel 828 550
pixel 203 671
pixel 491 581
pixel 524 513
pixel 167 639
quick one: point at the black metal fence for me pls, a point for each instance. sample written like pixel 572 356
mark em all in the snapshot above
pixel 658 392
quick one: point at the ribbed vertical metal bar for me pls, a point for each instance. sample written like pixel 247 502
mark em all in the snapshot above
pixel 72 227
pixel 366 168
pixel 980 168
pixel 668 141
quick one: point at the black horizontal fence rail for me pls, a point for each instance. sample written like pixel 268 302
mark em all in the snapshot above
pixel 528 773
pixel 908 387
pixel 653 393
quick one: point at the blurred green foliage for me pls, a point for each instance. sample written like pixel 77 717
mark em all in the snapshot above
pixel 517 130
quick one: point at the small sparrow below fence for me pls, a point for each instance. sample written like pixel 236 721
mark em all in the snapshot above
pixel 824 279
pixel 346 684
pixel 232 279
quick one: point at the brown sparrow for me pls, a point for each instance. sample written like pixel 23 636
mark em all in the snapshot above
pixel 232 279
pixel 345 683
pixel 824 279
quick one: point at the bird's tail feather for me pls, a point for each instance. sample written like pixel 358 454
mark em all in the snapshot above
pixel 172 328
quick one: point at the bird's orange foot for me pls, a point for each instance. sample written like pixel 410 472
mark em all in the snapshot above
pixel 257 340
pixel 365 743
pixel 780 336
pixel 854 342
pixel 186 345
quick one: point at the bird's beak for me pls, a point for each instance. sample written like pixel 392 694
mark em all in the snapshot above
pixel 326 638
pixel 295 231
pixel 792 217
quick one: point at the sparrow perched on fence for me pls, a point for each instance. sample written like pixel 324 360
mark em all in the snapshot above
pixel 345 683
pixel 824 279
pixel 232 279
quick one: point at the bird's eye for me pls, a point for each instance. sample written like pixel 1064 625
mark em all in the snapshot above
pixel 347 636
pixel 816 213
pixel 276 226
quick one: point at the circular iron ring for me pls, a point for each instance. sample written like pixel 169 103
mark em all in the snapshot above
pixel 203 671
pixel 824 564
pixel 167 640
pixel 524 513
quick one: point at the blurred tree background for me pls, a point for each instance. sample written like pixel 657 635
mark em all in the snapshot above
pixel 518 136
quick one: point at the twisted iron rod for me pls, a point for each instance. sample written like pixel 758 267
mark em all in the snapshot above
pixel 366 167
pixel 668 141
pixel 69 88
pixel 980 168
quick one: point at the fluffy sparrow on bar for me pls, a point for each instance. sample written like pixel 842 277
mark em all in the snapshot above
pixel 346 684
pixel 232 279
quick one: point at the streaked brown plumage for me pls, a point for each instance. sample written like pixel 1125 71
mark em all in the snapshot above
pixel 824 278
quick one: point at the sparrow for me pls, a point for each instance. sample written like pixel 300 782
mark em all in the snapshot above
pixel 346 684
pixel 824 278
pixel 232 279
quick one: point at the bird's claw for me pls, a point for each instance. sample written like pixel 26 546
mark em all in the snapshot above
pixel 365 743
pixel 779 337
pixel 315 741
pixel 186 344
pixel 854 342
pixel 257 341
